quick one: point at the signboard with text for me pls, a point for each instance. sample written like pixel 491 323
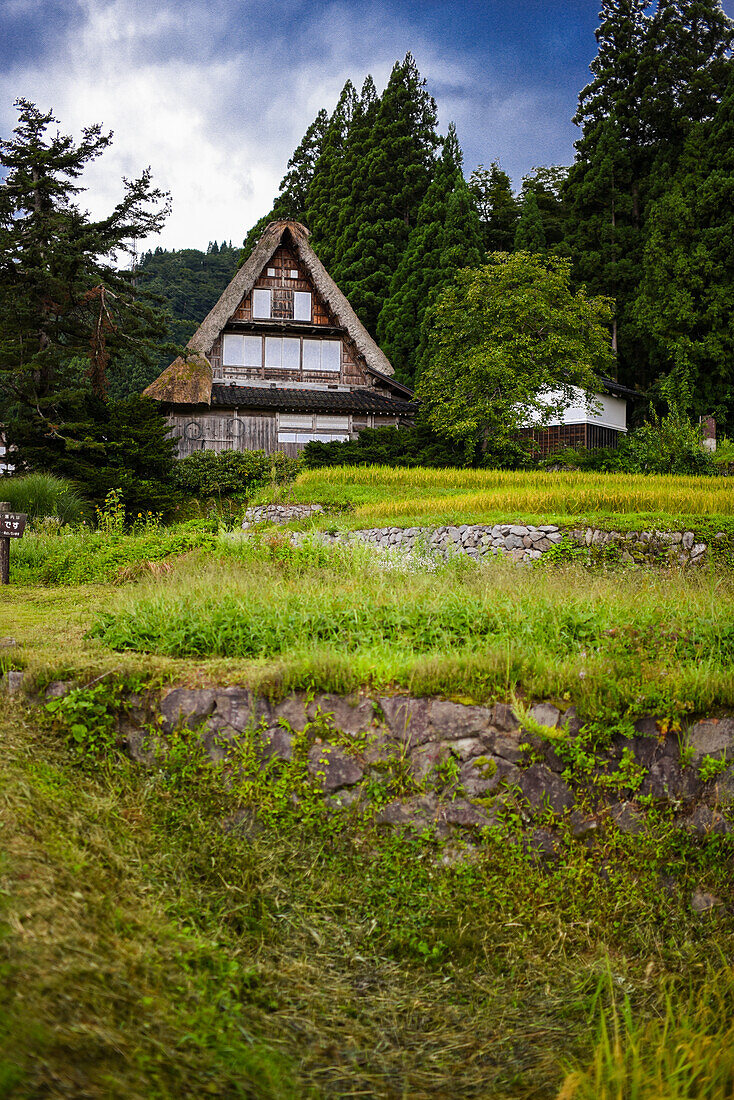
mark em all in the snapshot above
pixel 12 524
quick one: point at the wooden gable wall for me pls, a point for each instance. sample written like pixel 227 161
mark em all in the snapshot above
pixel 284 260
pixel 353 370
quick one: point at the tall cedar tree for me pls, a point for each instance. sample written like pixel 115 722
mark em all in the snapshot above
pixel 687 289
pixel 447 236
pixel 684 71
pixel 496 205
pixel 603 190
pixel 530 235
pixel 66 309
pixel 336 190
pixel 393 179
pixel 548 183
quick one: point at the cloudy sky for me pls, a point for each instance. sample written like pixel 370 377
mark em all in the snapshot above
pixel 215 94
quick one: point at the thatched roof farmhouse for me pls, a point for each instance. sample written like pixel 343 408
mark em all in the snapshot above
pixel 281 359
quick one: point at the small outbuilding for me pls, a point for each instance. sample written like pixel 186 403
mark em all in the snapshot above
pixel 598 421
pixel 281 359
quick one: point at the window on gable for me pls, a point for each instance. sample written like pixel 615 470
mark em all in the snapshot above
pixel 331 355
pixel 291 353
pixel 301 305
pixel 232 350
pixel 271 272
pixel 241 351
pixel 322 355
pixel 293 274
pixel 261 304
pixel 253 351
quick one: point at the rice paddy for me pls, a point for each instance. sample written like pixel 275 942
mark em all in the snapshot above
pixel 381 496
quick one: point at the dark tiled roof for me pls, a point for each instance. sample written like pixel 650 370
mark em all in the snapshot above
pixel 618 390
pixel 263 397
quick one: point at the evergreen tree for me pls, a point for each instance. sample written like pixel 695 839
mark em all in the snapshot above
pixel 336 188
pixel 67 311
pixel 684 70
pixel 529 235
pixel 394 177
pixel 294 187
pixel 185 283
pixel 604 185
pixel 548 183
pixel 687 288
pixel 446 237
pixel 496 205
pixel 292 196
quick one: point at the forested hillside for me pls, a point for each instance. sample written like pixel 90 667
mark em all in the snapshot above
pixel 644 213
pixel 187 283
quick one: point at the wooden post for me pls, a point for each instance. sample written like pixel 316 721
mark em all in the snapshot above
pixel 4 550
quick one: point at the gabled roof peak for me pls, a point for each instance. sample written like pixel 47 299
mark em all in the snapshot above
pixel 298 229
pixel 201 342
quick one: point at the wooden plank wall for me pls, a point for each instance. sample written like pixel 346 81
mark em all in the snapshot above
pixel 231 430
pixel 224 431
pixel 283 261
pixel 353 372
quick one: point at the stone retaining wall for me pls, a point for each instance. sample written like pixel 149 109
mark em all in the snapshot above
pixel 279 513
pixel 522 542
pixel 457 766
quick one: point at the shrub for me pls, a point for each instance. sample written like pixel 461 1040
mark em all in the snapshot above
pixel 415 446
pixel 40 495
pixel 232 473
pixel 669 445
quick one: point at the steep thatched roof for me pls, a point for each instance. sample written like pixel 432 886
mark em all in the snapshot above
pixel 188 381
pixel 247 275
pixel 201 342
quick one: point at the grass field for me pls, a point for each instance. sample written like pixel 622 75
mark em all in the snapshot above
pixel 334 619
pixel 149 951
pixel 381 496
pixel 279 618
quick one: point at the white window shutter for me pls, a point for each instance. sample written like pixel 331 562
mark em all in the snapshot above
pixel 301 305
pixel 274 351
pixel 261 304
pixel 232 350
pixel 331 354
pixel 253 351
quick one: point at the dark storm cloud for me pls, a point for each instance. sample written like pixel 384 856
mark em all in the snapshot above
pixel 215 94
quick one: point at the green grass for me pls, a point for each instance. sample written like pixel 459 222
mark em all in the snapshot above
pixel 383 496
pixel 41 495
pixel 681 1045
pixel 79 555
pixel 147 952
pixel 613 643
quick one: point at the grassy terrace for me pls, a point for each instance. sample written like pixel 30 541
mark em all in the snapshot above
pixel 150 954
pixel 404 498
pixel 278 618
pixel 148 951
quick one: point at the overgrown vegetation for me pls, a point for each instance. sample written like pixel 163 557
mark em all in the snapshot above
pixel 233 474
pixel 617 645
pixel 42 495
pixel 226 932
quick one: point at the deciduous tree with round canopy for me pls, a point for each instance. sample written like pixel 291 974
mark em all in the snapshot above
pixel 508 343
